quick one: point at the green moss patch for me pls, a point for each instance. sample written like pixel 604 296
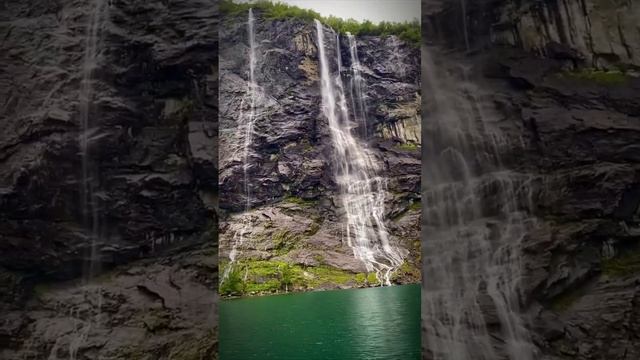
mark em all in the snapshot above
pixel 285 241
pixel 408 272
pixel 602 77
pixel 626 264
pixel 408 147
pixel 300 201
pixel 564 301
pixel 415 205
pixel 270 276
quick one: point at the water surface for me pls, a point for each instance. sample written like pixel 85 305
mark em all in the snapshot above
pixel 360 324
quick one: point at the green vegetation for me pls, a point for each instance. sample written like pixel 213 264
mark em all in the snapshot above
pixel 408 271
pixel 234 284
pixel 369 278
pixel 39 290
pixel 178 110
pixel 564 301
pixel 602 77
pixel 408 147
pixel 195 348
pixel 272 276
pixel 313 229
pixel 287 275
pixel 300 201
pixel 306 145
pixel 627 264
pixel 415 205
pixel 407 31
pixel 284 241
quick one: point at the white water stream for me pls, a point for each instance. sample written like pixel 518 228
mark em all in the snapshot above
pixel 358 100
pixel 362 189
pixel 97 16
pixel 476 216
pixel 249 118
pixel 89 205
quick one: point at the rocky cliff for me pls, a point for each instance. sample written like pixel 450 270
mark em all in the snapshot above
pixel 294 217
pixel 149 129
pixel 556 81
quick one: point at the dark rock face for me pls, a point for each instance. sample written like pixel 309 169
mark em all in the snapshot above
pixel 575 138
pixel 152 165
pixel 598 33
pixel 291 177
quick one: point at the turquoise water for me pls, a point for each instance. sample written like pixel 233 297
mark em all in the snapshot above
pixel 360 324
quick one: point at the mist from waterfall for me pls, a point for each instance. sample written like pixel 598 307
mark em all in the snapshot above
pixel 475 219
pixel 248 123
pixel 362 189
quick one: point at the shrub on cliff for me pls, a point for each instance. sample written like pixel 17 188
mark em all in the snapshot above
pixel 407 31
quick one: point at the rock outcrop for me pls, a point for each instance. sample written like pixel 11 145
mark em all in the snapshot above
pixel 152 166
pixel 557 80
pixel 293 217
pixel 595 33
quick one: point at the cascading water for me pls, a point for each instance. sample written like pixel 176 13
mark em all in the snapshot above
pixel 356 172
pixel 89 202
pixel 463 5
pixel 358 101
pixel 475 218
pixel 89 180
pixel 248 123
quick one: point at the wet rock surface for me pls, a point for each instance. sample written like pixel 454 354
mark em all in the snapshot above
pixel 573 134
pixel 291 176
pixel 153 173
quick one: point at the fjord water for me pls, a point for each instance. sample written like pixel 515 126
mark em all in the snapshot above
pixel 380 323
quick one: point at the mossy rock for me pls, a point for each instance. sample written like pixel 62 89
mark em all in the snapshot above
pixel 202 348
pixel 269 276
pixel 408 146
pixel 601 77
pixel 284 241
pixel 565 300
pixel 623 265
pixel 300 201
pixel 313 229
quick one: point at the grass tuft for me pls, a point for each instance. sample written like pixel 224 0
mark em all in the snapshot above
pixel 602 77
pixel 626 264
pixel 408 147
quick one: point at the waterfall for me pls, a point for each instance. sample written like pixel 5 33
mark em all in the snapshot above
pixel 463 5
pixel 248 123
pixel 89 202
pixel 477 214
pixel 358 101
pixel 355 170
pixel 97 15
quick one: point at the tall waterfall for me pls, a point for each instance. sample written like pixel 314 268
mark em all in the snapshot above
pixel 248 123
pixel 356 172
pixel 97 15
pixel 463 5
pixel 89 203
pixel 358 101
pixel 476 216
